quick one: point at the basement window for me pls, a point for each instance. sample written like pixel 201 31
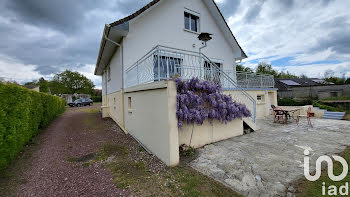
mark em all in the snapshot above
pixel 260 98
pixel 129 105
pixel 191 22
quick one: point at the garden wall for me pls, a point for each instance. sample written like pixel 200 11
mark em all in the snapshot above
pixel 23 113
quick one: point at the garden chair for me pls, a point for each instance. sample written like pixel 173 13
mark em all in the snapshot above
pixel 279 114
pixel 308 116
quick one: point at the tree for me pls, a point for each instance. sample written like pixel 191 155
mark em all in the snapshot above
pixel 44 85
pixel 265 68
pixel 303 76
pixel 242 68
pixel 69 82
pixel 286 75
pixel 328 73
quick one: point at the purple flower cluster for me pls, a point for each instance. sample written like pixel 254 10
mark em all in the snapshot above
pixel 200 100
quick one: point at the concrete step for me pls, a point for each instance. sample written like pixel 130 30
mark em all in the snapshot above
pixel 333 115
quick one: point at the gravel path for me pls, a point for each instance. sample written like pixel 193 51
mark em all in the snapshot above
pixel 46 169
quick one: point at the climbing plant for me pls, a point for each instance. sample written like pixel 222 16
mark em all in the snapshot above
pixel 198 101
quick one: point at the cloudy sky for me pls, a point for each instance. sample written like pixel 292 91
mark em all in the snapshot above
pixel 42 37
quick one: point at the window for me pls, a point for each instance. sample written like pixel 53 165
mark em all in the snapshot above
pixel 210 73
pixel 165 63
pixel 191 22
pixel 109 73
pixel 260 98
pixel 129 105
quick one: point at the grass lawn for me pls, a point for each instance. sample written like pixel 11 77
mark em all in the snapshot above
pixel 130 173
pixel 309 189
pixel 98 103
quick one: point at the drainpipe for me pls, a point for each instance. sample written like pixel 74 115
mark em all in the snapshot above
pixel 200 60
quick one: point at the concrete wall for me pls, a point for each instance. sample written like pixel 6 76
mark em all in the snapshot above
pixel 150 117
pixel 303 110
pixel 164 25
pixel 319 91
pixel 209 133
pixel 263 107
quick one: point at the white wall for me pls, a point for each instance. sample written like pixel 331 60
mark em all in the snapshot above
pixel 151 119
pixel 115 84
pixel 164 25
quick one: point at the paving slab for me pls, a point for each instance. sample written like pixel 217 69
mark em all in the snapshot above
pixel 266 162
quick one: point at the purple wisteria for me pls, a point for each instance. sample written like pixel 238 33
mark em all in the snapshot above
pixel 200 100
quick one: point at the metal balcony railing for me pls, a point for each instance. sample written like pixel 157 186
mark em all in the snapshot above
pixel 163 63
pixel 252 80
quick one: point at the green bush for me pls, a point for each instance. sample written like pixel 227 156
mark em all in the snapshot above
pixel 23 113
pixel 327 107
pixel 96 99
pixel 292 102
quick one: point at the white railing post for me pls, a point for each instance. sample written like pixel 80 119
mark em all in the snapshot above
pixel 158 56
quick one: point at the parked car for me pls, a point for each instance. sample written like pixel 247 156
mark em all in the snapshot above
pixel 81 102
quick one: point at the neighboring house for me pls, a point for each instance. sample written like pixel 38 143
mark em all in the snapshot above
pixel 310 87
pixel 140 54
pixel 32 87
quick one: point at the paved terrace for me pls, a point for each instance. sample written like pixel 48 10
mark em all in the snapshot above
pixel 266 162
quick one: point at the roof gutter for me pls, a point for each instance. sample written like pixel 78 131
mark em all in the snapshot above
pixel 105 36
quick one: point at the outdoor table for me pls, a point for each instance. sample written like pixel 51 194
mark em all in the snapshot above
pixel 287 111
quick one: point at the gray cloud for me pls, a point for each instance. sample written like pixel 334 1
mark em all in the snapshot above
pixel 228 8
pixel 253 12
pixel 55 35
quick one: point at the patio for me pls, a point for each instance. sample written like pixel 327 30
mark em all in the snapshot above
pixel 266 162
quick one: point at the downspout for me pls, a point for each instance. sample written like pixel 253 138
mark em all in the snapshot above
pixel 122 62
pixel 200 61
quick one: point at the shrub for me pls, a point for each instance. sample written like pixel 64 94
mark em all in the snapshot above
pixel 327 107
pixel 23 113
pixel 198 101
pixel 96 99
pixel 292 102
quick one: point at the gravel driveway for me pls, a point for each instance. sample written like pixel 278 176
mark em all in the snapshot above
pixel 266 162
pixel 46 169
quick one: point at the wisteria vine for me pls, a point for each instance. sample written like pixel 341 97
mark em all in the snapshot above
pixel 200 100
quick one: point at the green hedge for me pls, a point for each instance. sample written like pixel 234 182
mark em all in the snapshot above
pixel 96 99
pixel 292 102
pixel 23 113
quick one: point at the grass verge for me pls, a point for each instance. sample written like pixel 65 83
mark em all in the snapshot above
pixel 307 188
pixel 139 176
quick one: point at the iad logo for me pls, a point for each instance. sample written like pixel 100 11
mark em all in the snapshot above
pixel 332 190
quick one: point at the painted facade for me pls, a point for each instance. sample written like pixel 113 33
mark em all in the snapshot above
pixel 148 111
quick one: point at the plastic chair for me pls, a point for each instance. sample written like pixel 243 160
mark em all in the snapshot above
pixel 308 116
pixel 278 113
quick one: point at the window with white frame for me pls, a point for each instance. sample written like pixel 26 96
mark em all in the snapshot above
pixel 191 21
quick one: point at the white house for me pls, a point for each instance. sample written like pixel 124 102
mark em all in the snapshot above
pixel 139 55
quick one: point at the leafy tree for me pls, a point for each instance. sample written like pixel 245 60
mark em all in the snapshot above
pixel 69 82
pixel 44 85
pixel 347 81
pixel 265 68
pixel 286 75
pixel 242 68
pixel 303 76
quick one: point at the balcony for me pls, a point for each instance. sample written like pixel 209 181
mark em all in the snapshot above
pixel 164 63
